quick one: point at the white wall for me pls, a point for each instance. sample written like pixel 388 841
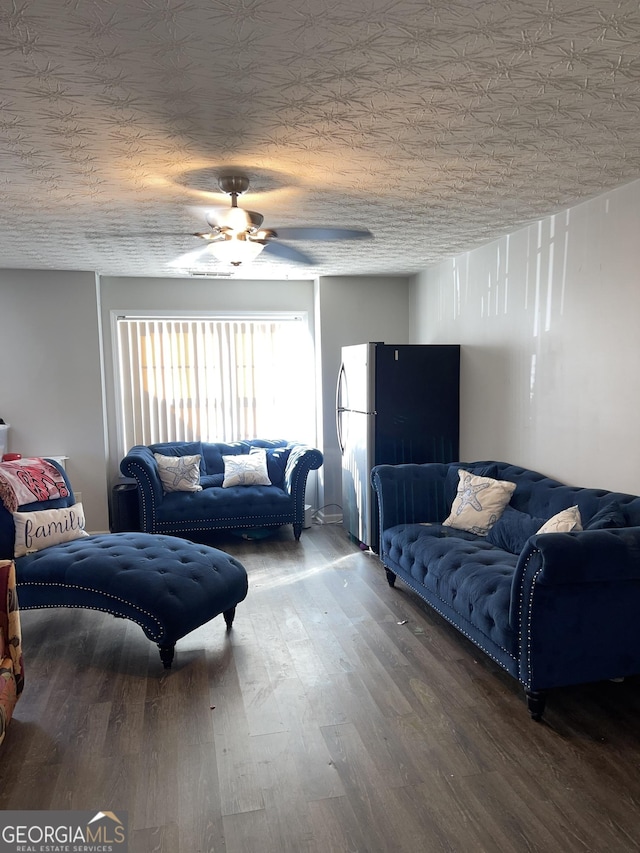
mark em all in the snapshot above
pixel 50 382
pixel 350 310
pixel 548 322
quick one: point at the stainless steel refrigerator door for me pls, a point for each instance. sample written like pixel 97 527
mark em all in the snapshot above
pixel 355 375
pixel 355 423
pixel 357 434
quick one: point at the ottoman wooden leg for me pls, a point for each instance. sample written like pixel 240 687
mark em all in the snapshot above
pixel 229 616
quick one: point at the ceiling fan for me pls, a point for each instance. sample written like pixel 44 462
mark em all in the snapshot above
pixel 236 235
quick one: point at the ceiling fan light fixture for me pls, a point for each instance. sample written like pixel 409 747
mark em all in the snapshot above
pixel 236 219
pixel 237 236
pixel 236 250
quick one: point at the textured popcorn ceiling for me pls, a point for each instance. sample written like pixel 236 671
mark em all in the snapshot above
pixel 437 124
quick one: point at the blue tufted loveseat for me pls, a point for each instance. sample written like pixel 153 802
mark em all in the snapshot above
pixel 195 514
pixel 552 609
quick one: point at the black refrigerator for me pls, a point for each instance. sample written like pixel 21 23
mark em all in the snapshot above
pixel 394 404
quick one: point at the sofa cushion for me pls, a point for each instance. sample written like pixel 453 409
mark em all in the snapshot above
pixel 249 505
pixel 611 515
pixel 512 529
pixel 563 522
pixel 179 473
pixel 469 575
pixel 479 502
pixel 210 481
pixel 276 463
pixel 214 453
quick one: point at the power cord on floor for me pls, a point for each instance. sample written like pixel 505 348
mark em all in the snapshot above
pixel 315 514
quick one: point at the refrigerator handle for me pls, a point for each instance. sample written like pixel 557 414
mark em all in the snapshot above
pixel 339 408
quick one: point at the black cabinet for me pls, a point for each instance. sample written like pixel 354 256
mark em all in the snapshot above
pixel 124 509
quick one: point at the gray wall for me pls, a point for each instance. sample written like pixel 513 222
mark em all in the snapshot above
pixel 350 310
pixel 50 382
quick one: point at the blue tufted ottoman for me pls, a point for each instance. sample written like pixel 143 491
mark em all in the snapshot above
pixel 169 586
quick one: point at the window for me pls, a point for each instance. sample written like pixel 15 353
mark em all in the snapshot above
pixel 215 378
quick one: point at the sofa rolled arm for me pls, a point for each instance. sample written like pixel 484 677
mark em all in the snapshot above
pixel 410 493
pixel 575 601
pixel 302 459
pixel 589 556
pixel 142 467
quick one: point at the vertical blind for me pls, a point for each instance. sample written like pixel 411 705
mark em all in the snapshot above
pixel 214 379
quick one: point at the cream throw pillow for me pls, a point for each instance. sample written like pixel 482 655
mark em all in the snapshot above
pixel 563 522
pixel 179 473
pixel 479 502
pixel 246 470
pixel 46 527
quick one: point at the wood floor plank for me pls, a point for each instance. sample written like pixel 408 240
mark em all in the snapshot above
pixel 335 826
pixel 237 774
pixel 317 775
pixel 365 787
pixel 156 839
pixel 198 792
pixel 387 824
pixel 247 833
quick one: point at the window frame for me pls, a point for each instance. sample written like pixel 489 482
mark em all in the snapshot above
pixel 217 315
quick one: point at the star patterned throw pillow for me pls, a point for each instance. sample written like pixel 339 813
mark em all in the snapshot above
pixel 479 502
pixel 179 473
pixel 563 522
pixel 246 469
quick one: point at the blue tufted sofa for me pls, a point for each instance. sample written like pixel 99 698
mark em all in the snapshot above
pixel 195 514
pixel 552 609
pixel 167 585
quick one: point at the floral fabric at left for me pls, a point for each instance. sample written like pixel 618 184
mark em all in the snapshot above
pixel 11 666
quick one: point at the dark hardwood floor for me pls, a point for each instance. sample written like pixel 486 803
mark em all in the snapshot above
pixel 338 715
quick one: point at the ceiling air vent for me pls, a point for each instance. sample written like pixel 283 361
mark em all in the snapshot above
pixel 208 274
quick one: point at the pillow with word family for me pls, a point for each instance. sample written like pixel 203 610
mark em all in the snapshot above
pixel 479 502
pixel 179 473
pixel 563 522
pixel 46 527
pixel 246 470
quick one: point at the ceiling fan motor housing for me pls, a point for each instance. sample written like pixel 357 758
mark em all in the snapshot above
pixel 233 184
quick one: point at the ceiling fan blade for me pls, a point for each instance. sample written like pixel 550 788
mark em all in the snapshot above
pixel 287 253
pixel 312 233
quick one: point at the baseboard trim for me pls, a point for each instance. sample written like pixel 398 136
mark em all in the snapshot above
pixel 323 517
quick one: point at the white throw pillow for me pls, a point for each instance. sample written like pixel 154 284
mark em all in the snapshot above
pixel 563 522
pixel 246 470
pixel 46 527
pixel 479 502
pixel 179 473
